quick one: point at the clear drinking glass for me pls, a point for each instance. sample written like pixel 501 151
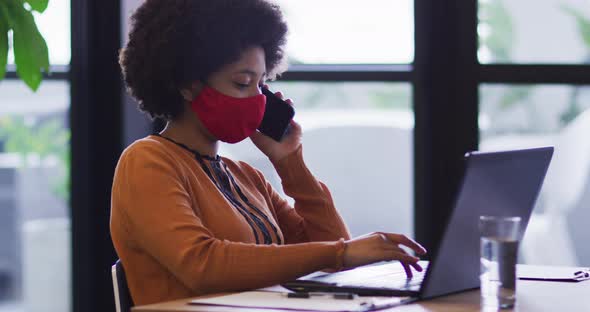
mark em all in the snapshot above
pixel 499 249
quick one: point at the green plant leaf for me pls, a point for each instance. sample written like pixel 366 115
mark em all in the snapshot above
pixel 6 10
pixel 3 44
pixel 38 5
pixel 500 40
pixel 582 21
pixel 30 50
pixel 514 95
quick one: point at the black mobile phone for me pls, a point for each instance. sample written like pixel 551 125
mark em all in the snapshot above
pixel 277 116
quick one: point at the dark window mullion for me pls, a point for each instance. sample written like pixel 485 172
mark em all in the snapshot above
pixel 446 111
pixel 535 73
pixel 348 73
pixel 58 72
pixel 352 67
pixel 97 141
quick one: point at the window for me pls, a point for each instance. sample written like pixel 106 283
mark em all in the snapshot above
pixel 554 32
pixel 371 32
pixel 35 269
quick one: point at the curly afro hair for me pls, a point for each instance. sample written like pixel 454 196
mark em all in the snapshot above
pixel 173 43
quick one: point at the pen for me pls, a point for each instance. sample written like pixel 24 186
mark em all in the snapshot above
pixel 306 295
pixel 581 274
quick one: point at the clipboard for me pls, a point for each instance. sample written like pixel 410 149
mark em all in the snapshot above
pixel 539 273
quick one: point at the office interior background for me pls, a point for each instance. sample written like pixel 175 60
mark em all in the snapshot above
pixel 390 95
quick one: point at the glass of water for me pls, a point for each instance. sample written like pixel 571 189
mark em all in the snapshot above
pixel 499 249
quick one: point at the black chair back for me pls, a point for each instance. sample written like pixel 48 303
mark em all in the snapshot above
pixel 123 301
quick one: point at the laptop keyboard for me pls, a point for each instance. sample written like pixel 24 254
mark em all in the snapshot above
pixel 390 275
pixel 394 281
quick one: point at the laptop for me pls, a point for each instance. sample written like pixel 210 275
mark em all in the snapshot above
pixel 503 183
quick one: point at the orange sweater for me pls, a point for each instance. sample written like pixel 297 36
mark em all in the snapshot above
pixel 184 227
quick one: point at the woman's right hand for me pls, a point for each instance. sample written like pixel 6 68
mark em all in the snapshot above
pixel 381 246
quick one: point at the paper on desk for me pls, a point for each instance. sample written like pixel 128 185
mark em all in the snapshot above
pixel 263 299
pixel 275 288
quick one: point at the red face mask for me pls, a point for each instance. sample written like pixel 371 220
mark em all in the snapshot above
pixel 228 118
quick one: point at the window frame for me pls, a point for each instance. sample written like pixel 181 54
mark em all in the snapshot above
pixel 58 72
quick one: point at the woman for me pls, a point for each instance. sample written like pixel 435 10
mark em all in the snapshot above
pixel 187 222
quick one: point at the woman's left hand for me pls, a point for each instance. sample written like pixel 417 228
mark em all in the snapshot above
pixel 289 143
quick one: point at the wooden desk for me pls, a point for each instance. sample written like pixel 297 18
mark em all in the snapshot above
pixel 533 296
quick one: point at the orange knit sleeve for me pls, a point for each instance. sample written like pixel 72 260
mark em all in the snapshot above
pixel 160 220
pixel 314 217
